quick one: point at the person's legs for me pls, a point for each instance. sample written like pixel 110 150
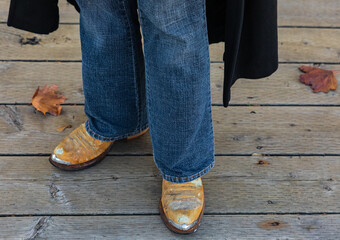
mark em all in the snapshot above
pixel 112 68
pixel 177 63
pixel 177 83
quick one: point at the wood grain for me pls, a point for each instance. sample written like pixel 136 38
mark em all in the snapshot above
pixel 238 130
pixel 151 227
pixel 309 13
pixel 295 45
pixel 20 79
pixel 132 185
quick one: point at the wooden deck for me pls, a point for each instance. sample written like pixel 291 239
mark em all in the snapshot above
pixel 277 173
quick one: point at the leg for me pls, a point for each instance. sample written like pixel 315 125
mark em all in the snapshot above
pixel 113 81
pixel 177 64
pixel 113 69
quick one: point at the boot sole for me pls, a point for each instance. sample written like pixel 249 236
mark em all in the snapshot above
pixel 176 230
pixel 93 161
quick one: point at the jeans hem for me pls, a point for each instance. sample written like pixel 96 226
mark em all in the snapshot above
pixel 190 178
pixel 102 138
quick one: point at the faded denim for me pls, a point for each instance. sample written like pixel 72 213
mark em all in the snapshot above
pixel 166 89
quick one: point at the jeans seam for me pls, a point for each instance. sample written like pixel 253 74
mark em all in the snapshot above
pixel 147 90
pixel 134 66
pixel 102 138
pixel 207 40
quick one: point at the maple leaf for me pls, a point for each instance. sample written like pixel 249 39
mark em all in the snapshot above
pixel 47 100
pixel 320 80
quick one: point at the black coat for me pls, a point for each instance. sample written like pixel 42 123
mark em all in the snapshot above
pixel 248 28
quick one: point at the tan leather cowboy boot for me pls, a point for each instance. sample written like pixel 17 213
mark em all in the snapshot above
pixel 181 205
pixel 79 150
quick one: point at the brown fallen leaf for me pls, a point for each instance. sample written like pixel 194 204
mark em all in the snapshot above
pixel 62 128
pixel 46 100
pixel 320 80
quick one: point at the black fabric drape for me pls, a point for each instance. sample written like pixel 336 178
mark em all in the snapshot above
pixel 249 30
pixel 37 16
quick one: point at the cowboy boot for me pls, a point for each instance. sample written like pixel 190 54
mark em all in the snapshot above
pixel 79 150
pixel 181 205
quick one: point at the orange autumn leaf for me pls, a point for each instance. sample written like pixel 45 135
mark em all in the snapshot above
pixel 47 100
pixel 320 80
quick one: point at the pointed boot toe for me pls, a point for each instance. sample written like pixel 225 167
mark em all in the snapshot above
pixel 182 205
pixel 79 150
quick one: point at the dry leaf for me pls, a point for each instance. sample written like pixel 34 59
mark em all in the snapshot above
pixel 62 128
pixel 46 100
pixel 320 80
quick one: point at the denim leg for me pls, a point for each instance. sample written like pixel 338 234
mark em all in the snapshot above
pixel 177 73
pixel 112 69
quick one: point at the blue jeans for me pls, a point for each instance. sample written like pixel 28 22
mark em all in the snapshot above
pixel 166 88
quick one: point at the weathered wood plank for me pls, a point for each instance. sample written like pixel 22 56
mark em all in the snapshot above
pixel 282 87
pixel 309 13
pixel 238 130
pixel 309 45
pixel 4 8
pixel 290 12
pixel 277 168
pixel 63 44
pixel 20 79
pixel 152 227
pixel 295 44
pixel 132 185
